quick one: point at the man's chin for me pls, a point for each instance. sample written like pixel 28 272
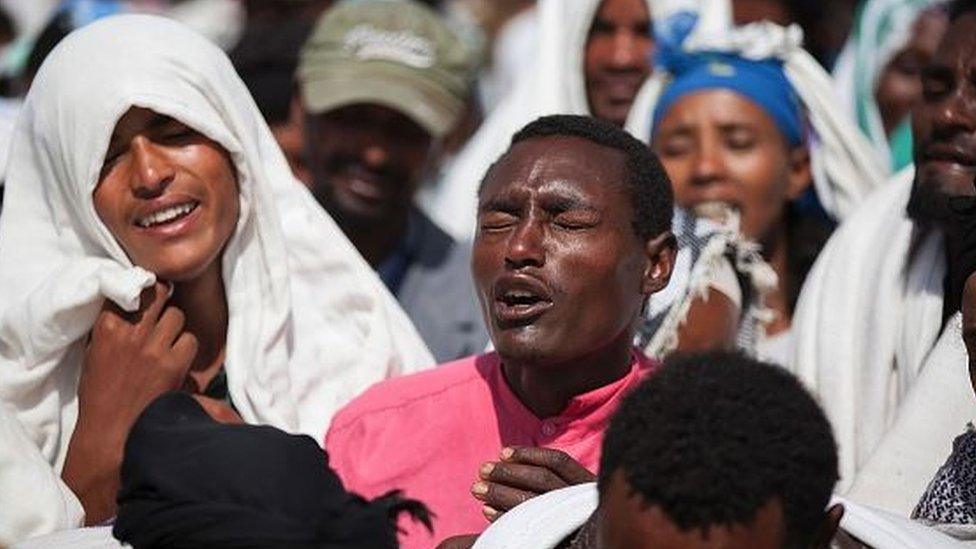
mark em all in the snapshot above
pixel 933 189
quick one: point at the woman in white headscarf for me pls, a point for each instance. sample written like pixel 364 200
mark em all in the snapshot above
pixel 878 72
pixel 153 238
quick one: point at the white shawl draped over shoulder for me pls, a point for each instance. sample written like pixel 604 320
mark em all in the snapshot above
pixel 933 413
pixel 33 498
pixel 553 84
pixel 869 313
pixel 310 325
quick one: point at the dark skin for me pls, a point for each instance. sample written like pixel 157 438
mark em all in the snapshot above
pixel 627 521
pixel 617 58
pixel 900 83
pixel 969 324
pixel 561 277
pixel 751 11
pixel 176 339
pixel 944 123
pixel 367 162
pixel 719 146
pixel 290 136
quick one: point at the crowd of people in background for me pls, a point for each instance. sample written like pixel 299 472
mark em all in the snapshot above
pixel 487 273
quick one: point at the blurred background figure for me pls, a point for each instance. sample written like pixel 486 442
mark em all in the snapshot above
pixel 879 72
pixel 825 23
pixel 266 57
pixel 383 83
pixel 593 57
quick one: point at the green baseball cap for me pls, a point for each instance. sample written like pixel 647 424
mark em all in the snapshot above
pixel 396 53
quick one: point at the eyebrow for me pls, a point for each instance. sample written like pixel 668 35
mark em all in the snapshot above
pixel 157 121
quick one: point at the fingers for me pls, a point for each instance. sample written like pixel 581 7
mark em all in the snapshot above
pixel 151 302
pixel 498 497
pixel 169 327
pixel 184 351
pixel 531 478
pixel 560 463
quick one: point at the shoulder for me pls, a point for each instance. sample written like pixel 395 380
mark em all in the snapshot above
pixel 399 396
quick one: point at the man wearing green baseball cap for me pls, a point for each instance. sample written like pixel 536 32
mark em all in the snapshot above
pixel 382 82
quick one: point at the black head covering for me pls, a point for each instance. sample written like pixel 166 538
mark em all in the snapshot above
pixel 188 481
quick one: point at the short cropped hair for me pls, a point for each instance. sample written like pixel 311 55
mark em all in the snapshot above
pixel 958 8
pixel 647 182
pixel 713 437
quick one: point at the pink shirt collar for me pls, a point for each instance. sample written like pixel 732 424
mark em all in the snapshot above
pixel 582 413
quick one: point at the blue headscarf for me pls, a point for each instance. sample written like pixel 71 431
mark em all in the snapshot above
pixel 762 82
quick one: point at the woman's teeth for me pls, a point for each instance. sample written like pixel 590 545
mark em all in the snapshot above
pixel 166 215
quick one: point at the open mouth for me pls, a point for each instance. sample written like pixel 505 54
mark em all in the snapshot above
pixel 950 155
pixel 520 301
pixel 165 216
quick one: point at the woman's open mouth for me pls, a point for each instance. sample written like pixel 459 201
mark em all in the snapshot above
pixel 167 215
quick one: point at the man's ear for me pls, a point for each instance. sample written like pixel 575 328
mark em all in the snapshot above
pixel 801 173
pixel 828 527
pixel 660 252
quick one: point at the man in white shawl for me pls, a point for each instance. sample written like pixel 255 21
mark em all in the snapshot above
pixel 146 198
pixel 873 309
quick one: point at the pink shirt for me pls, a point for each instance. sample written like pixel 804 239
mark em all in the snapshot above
pixel 428 433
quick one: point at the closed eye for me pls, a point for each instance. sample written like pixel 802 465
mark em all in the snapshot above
pixel 496 220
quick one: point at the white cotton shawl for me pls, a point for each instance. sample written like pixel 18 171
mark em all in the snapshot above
pixel 933 413
pixel 869 313
pixel 553 84
pixel 33 499
pixel 310 325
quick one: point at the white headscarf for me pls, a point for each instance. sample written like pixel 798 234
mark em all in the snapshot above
pixel 555 84
pixel 310 325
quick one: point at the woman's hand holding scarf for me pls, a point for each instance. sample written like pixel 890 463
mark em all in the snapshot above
pixel 130 359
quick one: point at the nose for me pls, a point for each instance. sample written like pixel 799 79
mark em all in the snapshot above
pixel 526 245
pixel 151 171
pixel 375 155
pixel 627 52
pixel 955 114
pixel 708 166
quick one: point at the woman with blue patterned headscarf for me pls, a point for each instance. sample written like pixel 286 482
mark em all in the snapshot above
pixel 731 131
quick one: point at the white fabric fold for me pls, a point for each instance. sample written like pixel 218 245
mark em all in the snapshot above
pixel 868 316
pixel 310 324
pixel 33 498
pixel 933 413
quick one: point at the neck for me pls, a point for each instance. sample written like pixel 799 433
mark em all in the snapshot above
pixel 374 240
pixel 778 301
pixel 204 304
pixel 546 389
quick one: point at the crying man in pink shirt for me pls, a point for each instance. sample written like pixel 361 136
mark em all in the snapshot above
pixel 574 235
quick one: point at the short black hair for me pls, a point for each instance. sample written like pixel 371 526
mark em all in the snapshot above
pixel 648 183
pixel 958 8
pixel 266 59
pixel 712 437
